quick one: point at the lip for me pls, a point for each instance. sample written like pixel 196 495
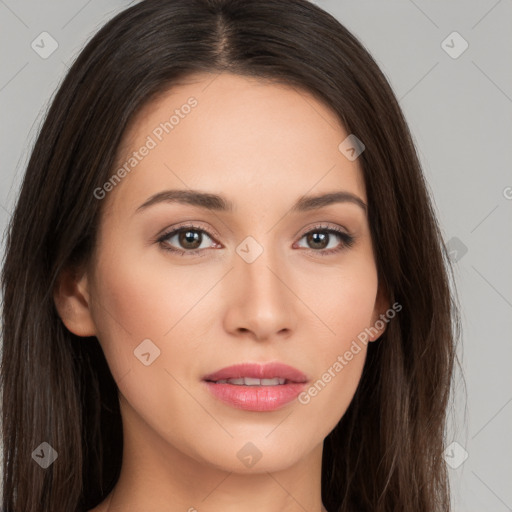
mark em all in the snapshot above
pixel 258 371
pixel 257 398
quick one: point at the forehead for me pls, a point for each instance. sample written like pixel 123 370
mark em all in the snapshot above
pixel 232 134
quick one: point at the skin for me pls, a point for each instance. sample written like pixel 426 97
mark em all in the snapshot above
pixel 262 146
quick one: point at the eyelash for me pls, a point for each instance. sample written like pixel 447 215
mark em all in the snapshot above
pixel 347 240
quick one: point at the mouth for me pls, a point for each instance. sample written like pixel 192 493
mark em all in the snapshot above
pixel 257 374
pixel 249 381
pixel 256 386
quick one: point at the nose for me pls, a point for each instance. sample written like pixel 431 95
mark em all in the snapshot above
pixel 261 303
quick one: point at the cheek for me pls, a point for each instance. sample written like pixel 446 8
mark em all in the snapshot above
pixel 344 300
pixel 138 298
pixel 347 309
pixel 135 306
pixel 329 395
pixel 339 367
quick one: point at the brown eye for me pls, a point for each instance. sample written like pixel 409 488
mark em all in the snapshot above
pixel 319 238
pixel 190 239
pixel 187 240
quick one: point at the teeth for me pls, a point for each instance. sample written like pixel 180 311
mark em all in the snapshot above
pixel 272 382
pixel 249 381
pixel 239 382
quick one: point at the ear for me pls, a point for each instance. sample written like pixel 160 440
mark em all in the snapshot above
pixel 382 304
pixel 71 297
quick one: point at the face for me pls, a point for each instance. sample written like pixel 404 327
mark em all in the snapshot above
pixel 263 281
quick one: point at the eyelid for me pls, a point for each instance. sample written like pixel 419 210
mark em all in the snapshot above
pixel 324 226
pixel 192 225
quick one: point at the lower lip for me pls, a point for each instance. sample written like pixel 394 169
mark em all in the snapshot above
pixel 256 398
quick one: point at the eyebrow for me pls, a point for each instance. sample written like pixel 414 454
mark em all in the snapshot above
pixel 214 202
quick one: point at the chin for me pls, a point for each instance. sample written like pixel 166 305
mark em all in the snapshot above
pixel 256 452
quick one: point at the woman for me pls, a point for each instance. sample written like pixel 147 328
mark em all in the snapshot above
pixel 225 287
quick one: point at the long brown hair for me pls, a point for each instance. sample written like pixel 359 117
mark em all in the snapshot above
pixel 386 453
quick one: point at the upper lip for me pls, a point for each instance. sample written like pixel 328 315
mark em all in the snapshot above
pixel 258 371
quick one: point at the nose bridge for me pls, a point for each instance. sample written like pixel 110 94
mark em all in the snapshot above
pixel 259 265
pixel 264 301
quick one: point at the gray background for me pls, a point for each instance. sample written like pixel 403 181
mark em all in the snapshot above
pixel 459 110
